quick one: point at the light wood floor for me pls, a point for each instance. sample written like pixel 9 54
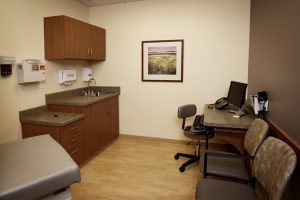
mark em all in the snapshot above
pixel 137 169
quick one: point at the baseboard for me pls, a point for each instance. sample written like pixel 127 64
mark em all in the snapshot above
pixel 153 139
pixel 221 146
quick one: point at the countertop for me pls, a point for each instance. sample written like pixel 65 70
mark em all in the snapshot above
pixel 76 97
pixel 222 118
pixel 52 118
pixel 41 115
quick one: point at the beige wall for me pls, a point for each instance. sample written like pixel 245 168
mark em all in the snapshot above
pixel 215 33
pixel 22 36
pixel 216 37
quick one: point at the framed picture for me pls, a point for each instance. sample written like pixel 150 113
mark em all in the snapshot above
pixel 162 60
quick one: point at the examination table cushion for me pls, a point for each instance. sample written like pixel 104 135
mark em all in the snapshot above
pixel 34 167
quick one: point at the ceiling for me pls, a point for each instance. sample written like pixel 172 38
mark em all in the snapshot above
pixel 92 3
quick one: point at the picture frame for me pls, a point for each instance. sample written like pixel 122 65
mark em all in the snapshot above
pixel 162 60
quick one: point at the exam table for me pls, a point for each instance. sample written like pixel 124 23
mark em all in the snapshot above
pixel 36 168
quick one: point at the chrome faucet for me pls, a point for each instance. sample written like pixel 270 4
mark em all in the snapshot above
pixel 91 91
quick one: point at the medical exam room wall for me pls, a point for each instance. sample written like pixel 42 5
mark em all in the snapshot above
pixel 274 67
pixel 216 37
pixel 22 36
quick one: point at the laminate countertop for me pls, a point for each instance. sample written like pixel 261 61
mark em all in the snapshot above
pixel 76 97
pixel 41 116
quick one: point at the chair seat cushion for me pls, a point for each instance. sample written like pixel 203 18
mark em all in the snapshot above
pixel 212 189
pixel 196 133
pixel 225 167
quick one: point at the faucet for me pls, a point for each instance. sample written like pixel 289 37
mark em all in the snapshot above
pixel 91 91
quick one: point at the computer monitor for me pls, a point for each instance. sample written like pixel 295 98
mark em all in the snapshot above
pixel 236 94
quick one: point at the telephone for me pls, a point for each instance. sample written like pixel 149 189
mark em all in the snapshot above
pixel 221 103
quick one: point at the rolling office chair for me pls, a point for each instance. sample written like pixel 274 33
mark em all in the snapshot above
pixel 273 167
pixel 195 132
pixel 234 166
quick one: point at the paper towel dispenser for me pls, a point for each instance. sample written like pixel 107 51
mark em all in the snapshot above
pixel 67 76
pixel 31 70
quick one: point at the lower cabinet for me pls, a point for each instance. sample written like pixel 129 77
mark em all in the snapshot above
pixel 69 136
pixel 100 123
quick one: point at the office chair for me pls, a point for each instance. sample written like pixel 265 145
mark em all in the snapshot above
pixel 234 166
pixel 195 132
pixel 273 167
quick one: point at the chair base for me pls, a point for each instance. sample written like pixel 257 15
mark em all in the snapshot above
pixel 193 158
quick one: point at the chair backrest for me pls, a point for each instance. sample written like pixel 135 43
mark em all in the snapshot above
pixel 186 111
pixel 256 134
pixel 273 166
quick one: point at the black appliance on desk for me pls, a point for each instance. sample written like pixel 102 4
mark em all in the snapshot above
pixel 236 98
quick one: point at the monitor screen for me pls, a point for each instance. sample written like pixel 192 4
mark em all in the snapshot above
pixel 237 93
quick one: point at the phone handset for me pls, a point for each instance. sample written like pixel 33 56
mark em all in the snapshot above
pixel 221 103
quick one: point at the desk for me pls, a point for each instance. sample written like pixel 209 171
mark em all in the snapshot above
pixel 227 127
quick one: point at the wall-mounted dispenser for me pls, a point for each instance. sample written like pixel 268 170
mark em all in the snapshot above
pixel 66 77
pixel 260 103
pixel 31 70
pixel 6 63
pixel 86 73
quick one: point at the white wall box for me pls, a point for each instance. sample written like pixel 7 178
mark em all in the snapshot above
pixel 31 70
pixel 86 73
pixel 67 76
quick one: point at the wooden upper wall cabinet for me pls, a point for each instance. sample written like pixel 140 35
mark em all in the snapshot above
pixel 68 38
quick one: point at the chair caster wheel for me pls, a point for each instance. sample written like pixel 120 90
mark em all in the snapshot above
pixel 176 157
pixel 181 169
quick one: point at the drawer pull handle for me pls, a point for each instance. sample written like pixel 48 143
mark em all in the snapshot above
pixel 74 139
pixel 73 127
pixel 74 151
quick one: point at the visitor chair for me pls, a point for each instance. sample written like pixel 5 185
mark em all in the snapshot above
pixel 273 167
pixel 235 166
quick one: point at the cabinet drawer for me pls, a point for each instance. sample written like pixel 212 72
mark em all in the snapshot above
pixel 76 153
pixel 72 145
pixel 75 150
pixel 71 132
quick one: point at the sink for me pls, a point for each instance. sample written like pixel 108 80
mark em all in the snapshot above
pixel 95 94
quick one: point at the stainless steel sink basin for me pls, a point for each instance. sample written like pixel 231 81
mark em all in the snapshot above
pixel 94 94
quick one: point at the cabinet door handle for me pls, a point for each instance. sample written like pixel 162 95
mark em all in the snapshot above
pixel 91 51
pixel 88 51
pixel 73 140
pixel 74 151
pixel 73 127
pixel 93 108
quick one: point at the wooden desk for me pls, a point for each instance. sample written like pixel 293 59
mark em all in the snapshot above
pixel 227 127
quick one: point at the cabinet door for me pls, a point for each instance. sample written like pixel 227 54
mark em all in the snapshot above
pixel 91 136
pixel 30 130
pixel 96 43
pixel 109 120
pixel 114 120
pixel 54 37
pixel 76 38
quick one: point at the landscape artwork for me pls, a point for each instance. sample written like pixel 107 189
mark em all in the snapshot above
pixel 162 60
